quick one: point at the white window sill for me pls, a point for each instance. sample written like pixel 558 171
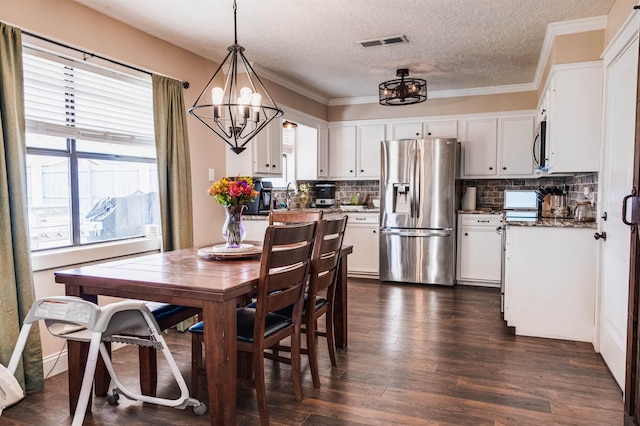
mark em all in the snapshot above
pixel 58 258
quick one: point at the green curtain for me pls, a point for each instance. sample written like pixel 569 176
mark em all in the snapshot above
pixel 16 279
pixel 174 166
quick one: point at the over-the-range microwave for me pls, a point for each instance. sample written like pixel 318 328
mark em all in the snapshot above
pixel 540 142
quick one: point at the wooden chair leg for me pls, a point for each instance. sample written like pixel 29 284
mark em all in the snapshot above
pixel 261 392
pixel 331 344
pixel 311 352
pixel 295 365
pixel 148 370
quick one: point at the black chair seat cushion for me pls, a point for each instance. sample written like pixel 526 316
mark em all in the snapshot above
pixel 161 311
pixel 246 319
pixel 288 311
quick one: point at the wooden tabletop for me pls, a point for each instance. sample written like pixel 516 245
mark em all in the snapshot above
pixel 181 275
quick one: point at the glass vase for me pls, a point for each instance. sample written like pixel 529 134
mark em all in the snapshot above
pixel 233 229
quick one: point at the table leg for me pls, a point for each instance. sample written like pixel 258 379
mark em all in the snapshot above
pixel 220 345
pixel 340 306
pixel 148 361
pixel 77 357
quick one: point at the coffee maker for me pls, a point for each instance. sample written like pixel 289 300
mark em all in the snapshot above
pixel 325 194
pixel 262 203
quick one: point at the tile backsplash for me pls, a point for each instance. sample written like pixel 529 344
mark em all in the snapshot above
pixel 489 192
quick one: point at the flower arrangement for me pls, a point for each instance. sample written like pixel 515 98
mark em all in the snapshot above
pixel 304 194
pixel 233 191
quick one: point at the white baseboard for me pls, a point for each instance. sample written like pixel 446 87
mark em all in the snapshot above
pixel 52 368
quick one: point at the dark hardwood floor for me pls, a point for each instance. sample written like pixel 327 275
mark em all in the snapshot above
pixel 416 355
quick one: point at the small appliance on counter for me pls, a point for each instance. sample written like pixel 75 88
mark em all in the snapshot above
pixel 325 194
pixel 553 202
pixel 521 205
pixel 261 205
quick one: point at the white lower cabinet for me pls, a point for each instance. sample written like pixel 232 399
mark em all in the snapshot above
pixel 479 250
pixel 362 234
pixel 550 279
pixel 255 229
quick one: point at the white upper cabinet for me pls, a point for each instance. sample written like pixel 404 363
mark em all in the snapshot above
pixel 498 146
pixel 262 156
pixel 429 129
pixel 267 152
pixel 574 117
pixel 323 151
pixel 342 152
pixel 480 145
pixel 354 151
pixel 515 136
pixel 369 140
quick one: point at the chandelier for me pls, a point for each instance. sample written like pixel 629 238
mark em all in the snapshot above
pixel 242 107
pixel 403 91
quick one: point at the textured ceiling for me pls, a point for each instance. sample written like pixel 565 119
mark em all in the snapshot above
pixel 454 44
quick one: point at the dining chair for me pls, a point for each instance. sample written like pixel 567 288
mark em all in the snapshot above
pixel 294 216
pixel 320 296
pixel 284 271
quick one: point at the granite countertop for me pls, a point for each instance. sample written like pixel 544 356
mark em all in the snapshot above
pixel 555 223
pixel 479 211
pixel 326 210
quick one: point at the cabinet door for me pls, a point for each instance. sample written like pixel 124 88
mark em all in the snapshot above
pixel 515 140
pixel 480 254
pixel 575 120
pixel 442 129
pixel 306 152
pixel 240 164
pixel 368 149
pixel 365 257
pixel 342 152
pixel 480 144
pixel 406 131
pixel 323 151
pixel 267 150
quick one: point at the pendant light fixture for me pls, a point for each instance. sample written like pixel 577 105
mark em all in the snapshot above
pixel 242 107
pixel 403 90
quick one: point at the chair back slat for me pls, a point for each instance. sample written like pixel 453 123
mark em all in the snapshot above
pixel 289 217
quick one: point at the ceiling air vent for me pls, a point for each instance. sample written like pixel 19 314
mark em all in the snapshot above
pixel 382 41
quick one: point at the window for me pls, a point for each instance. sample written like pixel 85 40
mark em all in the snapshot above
pixel 91 167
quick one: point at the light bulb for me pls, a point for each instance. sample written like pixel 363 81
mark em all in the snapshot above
pixel 256 103
pixel 216 95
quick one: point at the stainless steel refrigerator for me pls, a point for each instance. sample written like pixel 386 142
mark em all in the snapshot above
pixel 418 202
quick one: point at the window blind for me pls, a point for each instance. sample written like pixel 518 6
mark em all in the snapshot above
pixel 71 99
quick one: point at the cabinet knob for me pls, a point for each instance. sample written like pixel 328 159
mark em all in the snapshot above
pixel 466 234
pixel 322 170
pixel 490 168
pixel 267 165
pixel 374 231
pixel 361 171
pixel 504 168
pixel 350 171
pixel 417 134
pixel 273 165
pixel 429 133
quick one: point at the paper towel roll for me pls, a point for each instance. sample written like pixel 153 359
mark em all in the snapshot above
pixel 469 199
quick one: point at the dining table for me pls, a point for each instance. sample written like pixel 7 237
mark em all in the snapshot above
pixel 186 277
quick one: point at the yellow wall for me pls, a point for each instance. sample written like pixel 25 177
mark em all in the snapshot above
pixel 444 106
pixel 617 16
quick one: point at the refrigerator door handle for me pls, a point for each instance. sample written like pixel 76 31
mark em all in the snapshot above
pixel 415 190
pixel 447 232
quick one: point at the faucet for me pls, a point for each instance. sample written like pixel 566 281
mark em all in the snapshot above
pixel 288 196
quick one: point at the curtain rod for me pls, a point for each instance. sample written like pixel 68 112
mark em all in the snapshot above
pixel 185 84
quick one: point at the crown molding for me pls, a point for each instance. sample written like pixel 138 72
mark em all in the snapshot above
pixel 555 29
